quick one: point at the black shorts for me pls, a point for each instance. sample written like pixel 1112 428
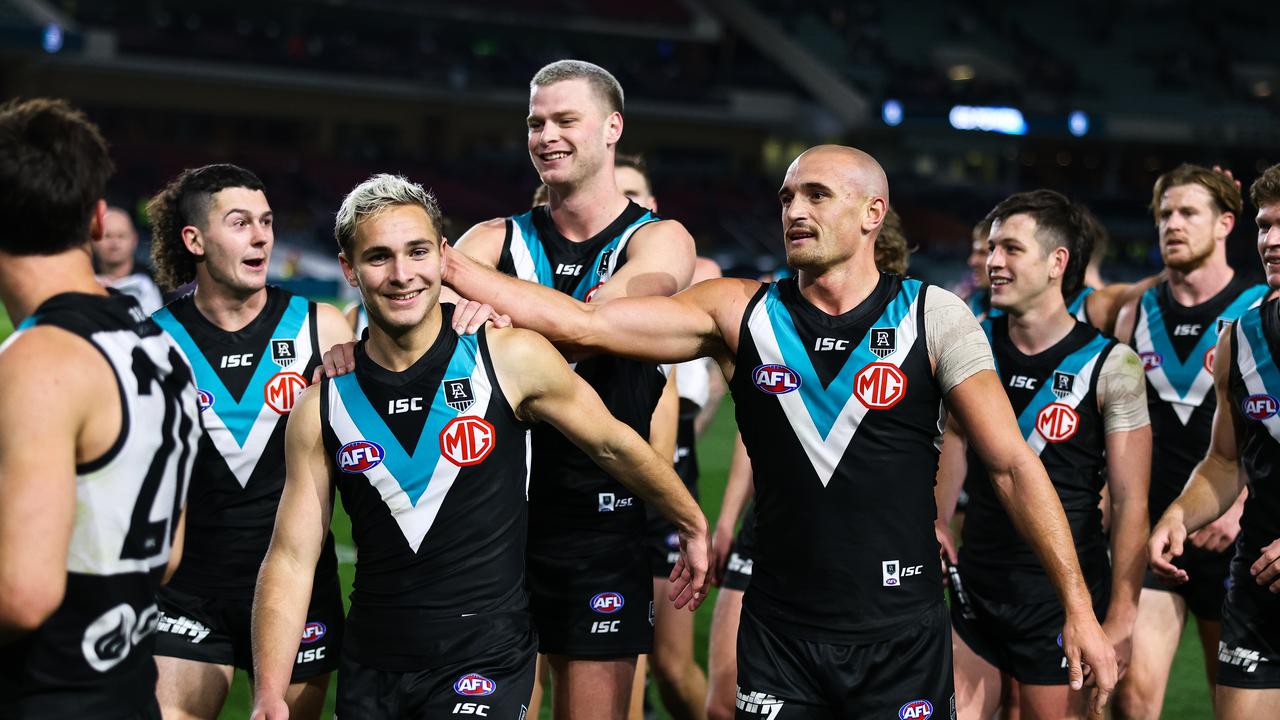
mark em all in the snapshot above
pixel 496 684
pixel 907 676
pixel 217 631
pixel 1249 650
pixel 737 574
pixel 1023 640
pixel 593 606
pixel 1206 585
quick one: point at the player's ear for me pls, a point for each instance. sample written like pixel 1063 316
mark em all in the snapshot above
pixel 347 271
pixel 1224 224
pixel 613 128
pixel 193 239
pixel 98 220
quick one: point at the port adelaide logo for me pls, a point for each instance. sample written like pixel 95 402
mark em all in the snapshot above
pixel 883 342
pixel 1063 383
pixel 458 394
pixel 283 351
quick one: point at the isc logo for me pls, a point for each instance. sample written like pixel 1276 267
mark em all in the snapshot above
pixel 404 405
pixel 1260 406
pixel 601 627
pixel 563 269
pixel 310 655
pixel 775 379
pixel 313 632
pixel 830 344
pixel 467 440
pixel 1057 422
pixel 471 709
pixel 1022 381
pixel 1187 329
pixel 607 603
pixel 473 685
pixel 206 399
pixel 1151 360
pixel 880 386
pixel 282 390
pixel 359 456
pixel 916 710
pixel 235 361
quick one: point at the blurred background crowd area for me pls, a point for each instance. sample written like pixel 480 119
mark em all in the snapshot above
pixel 962 102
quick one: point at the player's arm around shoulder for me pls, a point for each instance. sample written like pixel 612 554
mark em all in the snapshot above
pixel 284 581
pixel 483 242
pixel 1125 308
pixel 542 388
pixel 53 415
pixel 660 261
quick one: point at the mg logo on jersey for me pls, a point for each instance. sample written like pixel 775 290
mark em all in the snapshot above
pixel 880 386
pixel 206 399
pixel 1151 360
pixel 467 441
pixel 1057 422
pixel 916 710
pixel 607 603
pixel 1260 406
pixel 282 390
pixel 359 456
pixel 313 632
pixel 473 685
pixel 775 379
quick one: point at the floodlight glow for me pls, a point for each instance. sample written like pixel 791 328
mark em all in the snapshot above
pixel 52 40
pixel 1006 120
pixel 891 112
pixel 1078 123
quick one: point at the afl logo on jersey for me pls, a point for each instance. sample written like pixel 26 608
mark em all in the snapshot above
pixel 607 603
pixel 206 399
pixel 1151 360
pixel 359 456
pixel 467 440
pixel 473 685
pixel 313 632
pixel 880 386
pixel 775 379
pixel 916 710
pixel 1260 406
pixel 1057 422
pixel 282 390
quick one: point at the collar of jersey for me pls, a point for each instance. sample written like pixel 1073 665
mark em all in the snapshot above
pixel 542 265
pixel 825 403
pixel 237 413
pixel 413 467
pixel 1182 373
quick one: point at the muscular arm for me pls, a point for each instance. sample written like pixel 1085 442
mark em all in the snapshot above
pixel 284 582
pixel 1215 483
pixel 542 388
pixel 701 321
pixel 52 381
pixel 660 260
pixel 1123 399
pixel 332 326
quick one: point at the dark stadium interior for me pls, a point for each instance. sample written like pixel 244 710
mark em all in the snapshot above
pixel 317 95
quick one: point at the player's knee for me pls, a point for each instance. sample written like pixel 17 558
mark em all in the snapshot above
pixel 670 667
pixel 1136 697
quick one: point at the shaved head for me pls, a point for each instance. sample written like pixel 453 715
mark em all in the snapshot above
pixel 857 168
pixel 834 201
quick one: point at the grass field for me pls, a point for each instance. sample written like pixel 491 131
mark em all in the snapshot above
pixel 1187 698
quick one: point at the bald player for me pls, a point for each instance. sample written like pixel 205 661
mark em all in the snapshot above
pixel 845 371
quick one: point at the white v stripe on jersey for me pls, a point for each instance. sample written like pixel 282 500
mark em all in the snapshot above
pixel 1248 365
pixel 824 454
pixel 520 256
pixel 414 520
pixel 243 459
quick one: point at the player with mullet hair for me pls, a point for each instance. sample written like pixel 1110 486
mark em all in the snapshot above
pixel 1081 408
pixel 92 481
pixel 1174 325
pixel 838 376
pixel 591 242
pixel 253 347
pixel 428 442
pixel 1245 436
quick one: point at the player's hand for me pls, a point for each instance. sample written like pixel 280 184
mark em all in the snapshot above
pixel 1266 569
pixel 1228 173
pixel 275 709
pixel 1221 533
pixel 1089 653
pixel 946 548
pixel 469 316
pixel 1166 544
pixel 721 545
pixel 689 578
pixel 338 361
pixel 1121 634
